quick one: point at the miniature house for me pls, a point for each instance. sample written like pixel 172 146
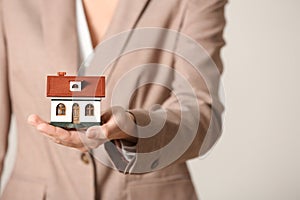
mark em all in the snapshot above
pixel 75 100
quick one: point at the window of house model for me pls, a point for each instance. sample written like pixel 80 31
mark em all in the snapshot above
pixel 75 86
pixel 60 109
pixel 89 110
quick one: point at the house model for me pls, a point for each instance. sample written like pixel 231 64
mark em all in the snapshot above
pixel 75 100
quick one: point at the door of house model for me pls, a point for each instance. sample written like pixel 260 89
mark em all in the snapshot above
pixel 75 114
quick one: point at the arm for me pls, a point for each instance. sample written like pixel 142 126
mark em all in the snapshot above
pixel 204 22
pixel 4 95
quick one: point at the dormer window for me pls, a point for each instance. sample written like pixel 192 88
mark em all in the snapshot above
pixel 75 86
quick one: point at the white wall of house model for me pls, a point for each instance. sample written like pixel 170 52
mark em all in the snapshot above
pixel 69 102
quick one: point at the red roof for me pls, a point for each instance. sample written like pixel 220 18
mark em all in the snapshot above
pixel 91 86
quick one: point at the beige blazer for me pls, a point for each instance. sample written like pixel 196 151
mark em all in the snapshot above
pixel 38 38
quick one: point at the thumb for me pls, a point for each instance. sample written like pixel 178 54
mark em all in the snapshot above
pixel 95 132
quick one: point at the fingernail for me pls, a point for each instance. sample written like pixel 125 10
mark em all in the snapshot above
pixel 31 120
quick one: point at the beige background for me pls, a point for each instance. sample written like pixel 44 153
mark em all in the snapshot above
pixel 258 156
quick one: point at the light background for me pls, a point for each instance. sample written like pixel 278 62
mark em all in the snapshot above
pixel 258 157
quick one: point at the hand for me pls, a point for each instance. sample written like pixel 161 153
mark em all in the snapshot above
pixel 94 136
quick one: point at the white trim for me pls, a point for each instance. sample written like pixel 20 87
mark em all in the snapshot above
pixel 79 98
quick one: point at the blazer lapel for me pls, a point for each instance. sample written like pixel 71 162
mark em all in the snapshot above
pixel 60 34
pixel 126 16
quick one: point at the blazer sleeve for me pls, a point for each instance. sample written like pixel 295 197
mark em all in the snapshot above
pixel 4 94
pixel 194 121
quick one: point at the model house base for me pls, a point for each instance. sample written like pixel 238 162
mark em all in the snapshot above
pixel 70 125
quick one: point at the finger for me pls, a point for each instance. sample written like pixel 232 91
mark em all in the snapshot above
pixel 35 120
pixel 122 123
pixel 96 132
pixel 78 146
pixel 90 143
pixel 120 127
pixel 73 140
pixel 44 127
pixel 112 131
pixel 106 116
pixel 56 134
pixel 53 131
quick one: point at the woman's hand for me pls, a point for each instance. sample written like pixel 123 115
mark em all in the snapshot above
pixel 93 136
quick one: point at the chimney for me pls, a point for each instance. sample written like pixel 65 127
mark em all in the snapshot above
pixel 61 73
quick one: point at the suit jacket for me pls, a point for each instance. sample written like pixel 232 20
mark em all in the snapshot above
pixel 38 38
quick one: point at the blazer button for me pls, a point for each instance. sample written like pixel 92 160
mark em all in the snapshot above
pixel 85 158
pixel 155 164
